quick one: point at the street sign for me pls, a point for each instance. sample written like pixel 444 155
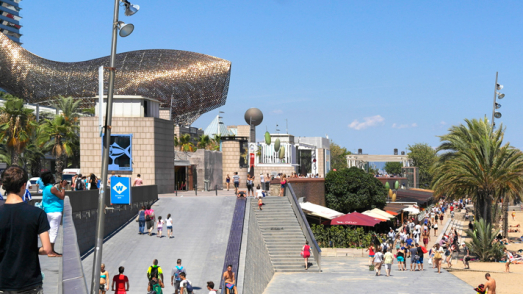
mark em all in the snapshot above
pixel 120 190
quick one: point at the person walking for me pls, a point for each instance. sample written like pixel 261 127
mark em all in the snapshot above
pixel 160 227
pixel 378 261
pixel 169 223
pixel 104 280
pixel 448 255
pixel 267 182
pixel 306 253
pixel 228 181
pixel 436 229
pixel 150 218
pixel 155 286
pixel 155 271
pixel 138 181
pixel 400 256
pixel 236 180
pixel 441 219
pixel 262 181
pixel 250 188
pixel 120 282
pixel 466 258
pixel 438 257
pixel 186 285
pixel 388 259
pixel 510 259
pixel 141 221
pixel 426 238
pixel 413 251
pixel 371 254
pixel 53 203
pixel 283 183
pixel 175 275
pixel 490 284
pixel 513 214
pixel 79 184
pixel 20 226
pixel 210 287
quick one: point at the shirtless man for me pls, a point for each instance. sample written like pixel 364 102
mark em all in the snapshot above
pixel 230 280
pixel 490 284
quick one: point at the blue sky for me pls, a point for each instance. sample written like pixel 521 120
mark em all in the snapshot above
pixel 375 75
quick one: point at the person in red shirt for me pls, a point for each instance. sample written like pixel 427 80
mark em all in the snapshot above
pixel 121 282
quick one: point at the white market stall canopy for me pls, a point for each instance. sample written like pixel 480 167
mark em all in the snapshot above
pixel 318 210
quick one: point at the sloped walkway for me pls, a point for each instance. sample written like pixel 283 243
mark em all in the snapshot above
pixel 201 230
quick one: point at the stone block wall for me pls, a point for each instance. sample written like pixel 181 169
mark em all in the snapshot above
pixel 231 162
pixel 209 167
pixel 152 149
pixel 258 267
pixel 313 190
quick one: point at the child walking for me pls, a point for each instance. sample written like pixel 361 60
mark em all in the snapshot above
pixel 260 203
pixel 169 222
pixel 160 227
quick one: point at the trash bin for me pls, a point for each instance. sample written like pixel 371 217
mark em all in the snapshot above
pixel 206 185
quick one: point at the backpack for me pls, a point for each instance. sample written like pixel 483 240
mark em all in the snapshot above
pixel 177 273
pixel 156 289
pixel 149 216
pixel 154 272
pixel 79 185
pixel 188 286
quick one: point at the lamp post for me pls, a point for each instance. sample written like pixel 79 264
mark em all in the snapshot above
pixel 495 105
pixel 125 30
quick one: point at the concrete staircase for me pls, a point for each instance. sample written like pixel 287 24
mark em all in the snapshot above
pixel 282 234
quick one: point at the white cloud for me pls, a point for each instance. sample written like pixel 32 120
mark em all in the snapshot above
pixel 404 126
pixel 443 123
pixel 277 111
pixel 370 121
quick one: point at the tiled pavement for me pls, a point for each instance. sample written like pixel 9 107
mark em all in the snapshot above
pixel 50 265
pixel 352 275
pixel 201 233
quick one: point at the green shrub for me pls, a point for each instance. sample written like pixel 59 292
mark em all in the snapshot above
pixel 341 236
pixel 351 189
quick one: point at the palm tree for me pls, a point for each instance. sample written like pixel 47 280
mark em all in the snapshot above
pixel 59 136
pixel 69 108
pixel 16 126
pixel 482 241
pixel 204 141
pixel 478 165
pixel 185 143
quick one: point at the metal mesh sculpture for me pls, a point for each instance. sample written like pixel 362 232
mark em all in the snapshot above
pixel 188 83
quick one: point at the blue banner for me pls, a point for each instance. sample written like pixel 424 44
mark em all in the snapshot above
pixel 120 190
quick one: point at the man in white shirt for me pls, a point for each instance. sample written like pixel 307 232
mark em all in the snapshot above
pixel 262 181
pixel 185 285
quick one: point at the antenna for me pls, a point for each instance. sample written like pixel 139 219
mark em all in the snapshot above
pixel 286 126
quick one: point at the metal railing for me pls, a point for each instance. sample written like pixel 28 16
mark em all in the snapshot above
pixel 304 224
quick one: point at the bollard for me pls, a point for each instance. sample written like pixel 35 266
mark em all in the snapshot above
pixel 195 190
pixel 216 189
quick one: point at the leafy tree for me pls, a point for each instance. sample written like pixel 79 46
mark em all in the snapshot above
pixel 338 156
pixel 482 241
pixel 59 136
pixel 185 144
pixel 476 164
pixel 351 189
pixel 423 157
pixel 17 123
pixel 393 168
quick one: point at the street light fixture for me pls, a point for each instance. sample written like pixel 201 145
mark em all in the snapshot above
pixel 495 105
pixel 125 30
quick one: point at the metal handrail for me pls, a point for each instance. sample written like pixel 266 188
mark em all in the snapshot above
pixel 304 224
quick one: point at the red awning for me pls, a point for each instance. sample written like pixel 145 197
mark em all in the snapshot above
pixel 391 212
pixel 355 219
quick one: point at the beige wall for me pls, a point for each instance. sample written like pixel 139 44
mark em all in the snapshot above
pixel 243 131
pixel 152 149
pixel 320 161
pixel 231 162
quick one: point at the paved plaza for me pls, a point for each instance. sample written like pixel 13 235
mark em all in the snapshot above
pixel 352 275
pixel 201 229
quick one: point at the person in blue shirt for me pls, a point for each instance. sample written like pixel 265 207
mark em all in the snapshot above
pixel 39 185
pixel 53 205
pixel 409 241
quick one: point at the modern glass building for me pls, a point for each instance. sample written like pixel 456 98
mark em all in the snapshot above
pixel 10 19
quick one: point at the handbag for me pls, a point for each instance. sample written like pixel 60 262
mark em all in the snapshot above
pixel 437 255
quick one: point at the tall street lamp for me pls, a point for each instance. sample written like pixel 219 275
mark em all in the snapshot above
pixel 495 105
pixel 125 30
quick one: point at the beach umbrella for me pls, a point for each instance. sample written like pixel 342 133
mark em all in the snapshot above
pixel 355 219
